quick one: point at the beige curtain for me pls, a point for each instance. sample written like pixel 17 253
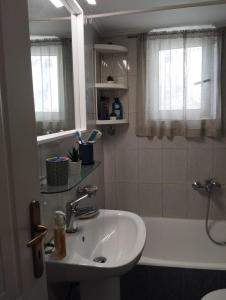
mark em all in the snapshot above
pixel 223 80
pixel 178 85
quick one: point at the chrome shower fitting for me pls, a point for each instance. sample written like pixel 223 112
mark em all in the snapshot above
pixel 209 185
pixel 212 184
pixel 197 186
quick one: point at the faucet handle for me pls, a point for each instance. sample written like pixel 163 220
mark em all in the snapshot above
pixel 197 186
pixel 212 183
pixel 87 189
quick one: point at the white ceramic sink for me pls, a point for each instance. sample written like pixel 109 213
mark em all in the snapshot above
pixel 119 236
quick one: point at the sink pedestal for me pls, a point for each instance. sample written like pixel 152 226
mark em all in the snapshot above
pixel 102 289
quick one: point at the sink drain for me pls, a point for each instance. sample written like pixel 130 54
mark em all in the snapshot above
pixel 100 259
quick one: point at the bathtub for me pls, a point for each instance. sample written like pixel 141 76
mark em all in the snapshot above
pixel 183 243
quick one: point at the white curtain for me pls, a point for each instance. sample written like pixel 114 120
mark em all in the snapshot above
pixel 48 85
pixel 179 83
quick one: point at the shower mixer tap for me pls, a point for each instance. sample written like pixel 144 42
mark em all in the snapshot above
pixel 209 185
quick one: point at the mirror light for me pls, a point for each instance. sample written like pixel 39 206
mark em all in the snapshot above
pixel 57 3
pixel 92 2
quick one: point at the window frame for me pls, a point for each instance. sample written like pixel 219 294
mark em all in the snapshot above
pixel 166 112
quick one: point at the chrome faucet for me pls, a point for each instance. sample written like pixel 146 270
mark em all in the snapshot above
pixel 208 186
pixel 72 208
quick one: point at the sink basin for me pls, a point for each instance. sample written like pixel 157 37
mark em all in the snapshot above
pixel 115 238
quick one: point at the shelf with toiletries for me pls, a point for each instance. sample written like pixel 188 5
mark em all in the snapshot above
pixel 63 173
pixel 111 84
pixel 73 180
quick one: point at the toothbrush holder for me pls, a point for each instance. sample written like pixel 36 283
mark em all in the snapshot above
pixel 86 154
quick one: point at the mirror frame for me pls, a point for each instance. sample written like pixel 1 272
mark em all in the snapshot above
pixel 78 48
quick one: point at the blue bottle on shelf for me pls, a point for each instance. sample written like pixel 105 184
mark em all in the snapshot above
pixel 117 108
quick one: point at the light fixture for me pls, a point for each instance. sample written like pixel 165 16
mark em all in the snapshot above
pixel 91 2
pixel 57 3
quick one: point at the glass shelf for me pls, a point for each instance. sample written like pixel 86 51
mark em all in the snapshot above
pixel 73 180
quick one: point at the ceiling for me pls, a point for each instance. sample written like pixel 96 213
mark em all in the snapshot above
pixel 121 25
pixel 45 9
pixel 118 25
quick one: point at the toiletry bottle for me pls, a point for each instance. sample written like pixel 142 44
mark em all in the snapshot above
pixel 103 110
pixel 59 235
pixel 117 108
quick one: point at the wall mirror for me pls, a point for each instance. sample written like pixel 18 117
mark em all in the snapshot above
pixel 57 60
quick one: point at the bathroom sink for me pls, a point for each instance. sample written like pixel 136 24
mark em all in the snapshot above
pixel 107 245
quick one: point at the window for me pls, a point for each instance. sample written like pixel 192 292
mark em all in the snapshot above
pixel 171 92
pixel 182 75
pixel 48 87
pixel 45 83
pixel 52 75
pixel 179 83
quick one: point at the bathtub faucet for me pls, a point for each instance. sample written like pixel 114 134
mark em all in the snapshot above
pixel 209 186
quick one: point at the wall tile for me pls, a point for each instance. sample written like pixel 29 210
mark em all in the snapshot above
pixel 126 165
pixel 125 136
pixel 175 204
pixel 146 143
pixel 110 196
pixel 178 142
pixel 219 143
pixel 109 162
pixel 174 165
pixel 200 164
pixel 218 204
pixel 202 142
pixel 132 95
pixel 150 165
pixel 196 204
pixel 219 165
pixel 150 199
pixel 127 196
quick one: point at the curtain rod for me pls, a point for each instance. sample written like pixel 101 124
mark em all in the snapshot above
pixel 157 8
pixel 175 29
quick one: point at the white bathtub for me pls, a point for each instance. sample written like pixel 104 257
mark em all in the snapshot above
pixel 183 243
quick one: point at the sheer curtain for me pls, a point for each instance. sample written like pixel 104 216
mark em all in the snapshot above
pixel 179 84
pixel 52 85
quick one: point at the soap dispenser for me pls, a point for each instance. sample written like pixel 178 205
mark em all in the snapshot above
pixel 59 235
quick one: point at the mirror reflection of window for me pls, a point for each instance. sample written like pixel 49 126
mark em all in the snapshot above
pixel 51 59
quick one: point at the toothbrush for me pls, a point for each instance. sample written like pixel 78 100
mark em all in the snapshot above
pixel 78 137
pixel 94 135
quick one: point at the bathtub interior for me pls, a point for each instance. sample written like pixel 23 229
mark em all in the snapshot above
pixel 183 243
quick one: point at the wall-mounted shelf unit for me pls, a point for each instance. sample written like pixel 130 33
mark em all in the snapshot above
pixel 112 122
pixel 111 86
pixel 73 180
pixel 110 48
pixel 111 60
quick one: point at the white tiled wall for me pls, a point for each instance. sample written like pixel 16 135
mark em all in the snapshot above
pixel 154 177
pixel 51 203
